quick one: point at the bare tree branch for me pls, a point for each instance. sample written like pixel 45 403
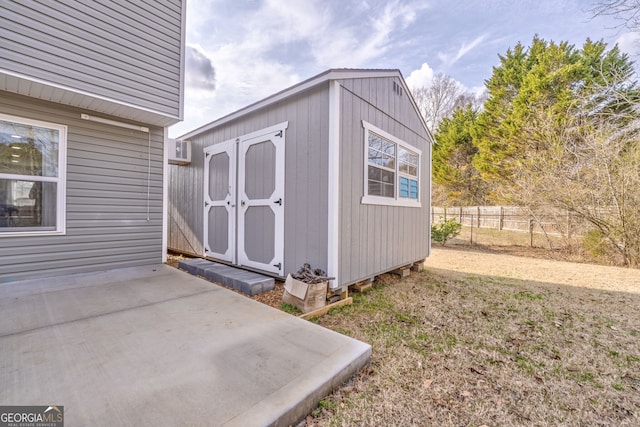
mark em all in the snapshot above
pixel 625 11
pixel 440 99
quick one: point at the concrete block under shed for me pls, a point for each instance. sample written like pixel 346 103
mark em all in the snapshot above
pixel 402 272
pixel 418 266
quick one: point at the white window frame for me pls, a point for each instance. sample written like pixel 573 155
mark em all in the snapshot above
pixel 396 200
pixel 60 180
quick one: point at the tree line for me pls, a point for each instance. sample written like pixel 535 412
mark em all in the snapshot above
pixel 558 127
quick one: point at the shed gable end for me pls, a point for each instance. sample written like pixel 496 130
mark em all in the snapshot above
pixel 390 96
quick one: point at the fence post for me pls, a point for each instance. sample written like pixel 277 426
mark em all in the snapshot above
pixel 531 232
pixel 445 214
pixel 478 216
pixel 471 238
pixel 501 223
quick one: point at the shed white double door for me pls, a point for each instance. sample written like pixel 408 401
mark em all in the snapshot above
pixel 244 200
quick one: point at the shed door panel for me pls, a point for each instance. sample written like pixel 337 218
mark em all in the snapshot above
pixel 220 201
pixel 261 202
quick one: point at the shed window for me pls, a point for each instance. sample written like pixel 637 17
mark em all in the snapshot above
pixel 392 169
pixel 382 166
pixel 408 168
pixel 32 177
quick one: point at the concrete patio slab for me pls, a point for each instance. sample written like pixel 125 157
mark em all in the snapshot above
pixel 156 346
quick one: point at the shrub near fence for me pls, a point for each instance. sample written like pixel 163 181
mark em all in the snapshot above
pixel 550 222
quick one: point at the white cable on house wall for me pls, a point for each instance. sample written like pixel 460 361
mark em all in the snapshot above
pixel 149 179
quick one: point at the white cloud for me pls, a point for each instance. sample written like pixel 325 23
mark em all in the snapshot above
pixel 238 85
pixel 336 38
pixel 278 22
pixel 200 19
pixel 449 59
pixel 478 91
pixel 199 71
pixel 358 40
pixel 394 16
pixel 629 43
pixel 421 77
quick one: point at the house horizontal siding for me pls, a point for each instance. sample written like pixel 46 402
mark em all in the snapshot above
pixel 306 181
pixel 129 52
pixel 107 185
pixel 375 239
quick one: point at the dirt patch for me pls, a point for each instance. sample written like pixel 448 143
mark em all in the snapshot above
pixel 498 263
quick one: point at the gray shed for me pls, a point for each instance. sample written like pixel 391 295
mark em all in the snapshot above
pixel 334 171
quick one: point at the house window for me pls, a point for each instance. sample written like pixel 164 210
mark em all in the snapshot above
pixel 32 177
pixel 392 169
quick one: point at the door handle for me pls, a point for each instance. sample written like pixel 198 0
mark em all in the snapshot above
pixel 242 203
pixel 278 202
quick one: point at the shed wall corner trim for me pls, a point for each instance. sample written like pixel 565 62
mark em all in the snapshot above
pixel 333 199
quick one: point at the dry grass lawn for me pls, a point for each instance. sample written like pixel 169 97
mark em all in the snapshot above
pixel 452 348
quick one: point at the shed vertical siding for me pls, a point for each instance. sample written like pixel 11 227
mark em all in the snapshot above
pixel 375 239
pixel 107 177
pixel 186 203
pixel 129 52
pixel 305 201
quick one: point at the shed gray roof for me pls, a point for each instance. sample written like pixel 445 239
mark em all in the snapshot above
pixel 331 74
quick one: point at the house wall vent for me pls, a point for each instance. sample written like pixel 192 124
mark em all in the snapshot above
pixel 179 152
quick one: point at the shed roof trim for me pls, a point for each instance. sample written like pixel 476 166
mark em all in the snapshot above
pixel 329 75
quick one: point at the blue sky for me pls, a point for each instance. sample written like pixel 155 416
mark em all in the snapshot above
pixel 240 51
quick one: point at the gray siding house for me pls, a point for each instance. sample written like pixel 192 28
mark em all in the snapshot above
pixel 334 171
pixel 87 91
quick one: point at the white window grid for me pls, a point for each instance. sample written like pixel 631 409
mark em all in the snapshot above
pixel 396 200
